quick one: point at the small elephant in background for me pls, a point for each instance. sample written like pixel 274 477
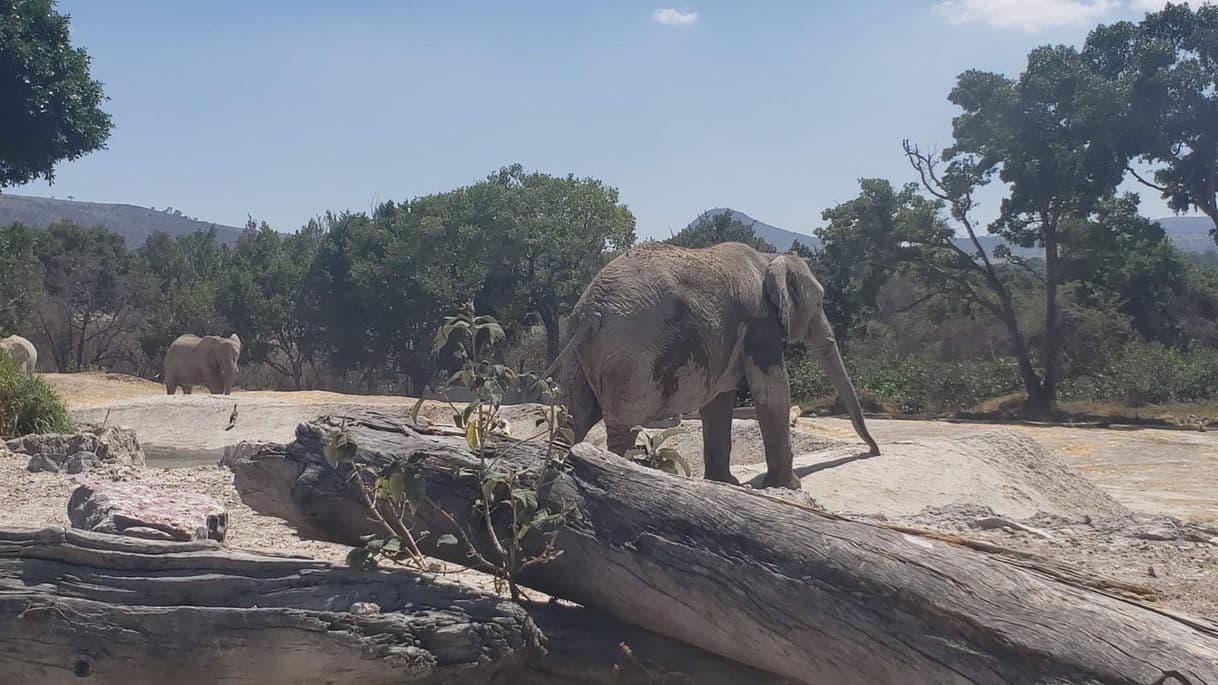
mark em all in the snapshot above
pixel 21 351
pixel 210 360
pixel 664 330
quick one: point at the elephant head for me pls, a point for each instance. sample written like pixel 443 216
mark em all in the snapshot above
pixel 224 357
pixel 799 298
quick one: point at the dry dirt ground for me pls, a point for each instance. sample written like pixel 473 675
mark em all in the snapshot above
pixel 1139 506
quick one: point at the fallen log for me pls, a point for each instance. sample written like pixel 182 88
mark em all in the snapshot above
pixel 814 598
pixel 120 610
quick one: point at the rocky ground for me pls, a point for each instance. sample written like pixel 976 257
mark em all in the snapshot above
pixel 1136 506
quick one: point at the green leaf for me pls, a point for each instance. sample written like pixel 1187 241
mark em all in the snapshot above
pixel 392 488
pixel 526 497
pixel 659 438
pixel 447 539
pixel 416 490
pixel 392 545
pixel 359 558
pixel 672 456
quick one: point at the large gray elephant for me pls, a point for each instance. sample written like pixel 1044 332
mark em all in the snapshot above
pixel 21 351
pixel 210 360
pixel 664 330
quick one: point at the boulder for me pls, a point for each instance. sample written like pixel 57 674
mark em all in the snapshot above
pixel 140 511
pixel 77 452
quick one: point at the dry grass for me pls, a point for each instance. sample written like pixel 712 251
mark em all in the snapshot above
pixel 1174 414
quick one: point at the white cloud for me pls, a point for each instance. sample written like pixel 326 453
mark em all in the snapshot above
pixel 1029 15
pixel 674 17
pixel 1148 5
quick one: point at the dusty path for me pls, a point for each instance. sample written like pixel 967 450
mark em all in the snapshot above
pixel 1164 471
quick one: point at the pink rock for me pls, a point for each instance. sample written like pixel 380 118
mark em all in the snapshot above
pixel 140 511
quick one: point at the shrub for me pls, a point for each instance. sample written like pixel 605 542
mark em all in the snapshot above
pixel 912 385
pixel 1150 373
pixel 28 404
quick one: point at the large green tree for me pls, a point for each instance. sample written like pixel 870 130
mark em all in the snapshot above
pixel 97 292
pixel 50 110
pixel 266 297
pixel 1052 136
pixel 1167 69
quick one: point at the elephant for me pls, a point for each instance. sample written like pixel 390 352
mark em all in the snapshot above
pixel 21 351
pixel 210 360
pixel 664 330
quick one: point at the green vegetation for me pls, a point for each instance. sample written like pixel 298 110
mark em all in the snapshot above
pixel 28 404
pixel 50 111
pixel 1089 303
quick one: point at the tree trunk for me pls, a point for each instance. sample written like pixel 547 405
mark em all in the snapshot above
pixel 1035 404
pixel 809 596
pixel 1052 339
pixel 120 610
pixel 549 320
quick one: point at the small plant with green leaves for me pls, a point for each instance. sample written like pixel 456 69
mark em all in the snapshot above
pixel 506 509
pixel 649 450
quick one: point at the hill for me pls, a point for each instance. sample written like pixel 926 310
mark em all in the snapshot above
pixel 134 223
pixel 1189 233
pixel 778 237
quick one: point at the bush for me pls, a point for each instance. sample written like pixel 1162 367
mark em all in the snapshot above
pixel 1150 373
pixel 914 385
pixel 28 404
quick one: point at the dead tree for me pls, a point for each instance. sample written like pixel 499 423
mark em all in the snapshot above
pixel 808 596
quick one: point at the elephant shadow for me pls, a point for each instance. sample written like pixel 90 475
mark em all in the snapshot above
pixel 809 469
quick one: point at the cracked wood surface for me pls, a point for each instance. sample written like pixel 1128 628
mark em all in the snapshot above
pixel 119 610
pixel 814 598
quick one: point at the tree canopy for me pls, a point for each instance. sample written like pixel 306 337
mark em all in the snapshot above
pixel 51 109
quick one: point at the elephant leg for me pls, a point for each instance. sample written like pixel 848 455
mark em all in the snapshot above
pixel 717 438
pixel 187 388
pixel 619 438
pixel 771 391
pixel 584 408
pixel 170 387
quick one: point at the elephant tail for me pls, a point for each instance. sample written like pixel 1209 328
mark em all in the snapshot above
pixel 582 330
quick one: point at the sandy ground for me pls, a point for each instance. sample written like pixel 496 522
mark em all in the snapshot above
pixel 1094 498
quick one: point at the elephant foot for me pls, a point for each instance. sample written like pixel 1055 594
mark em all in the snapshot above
pixel 787 480
pixel 723 478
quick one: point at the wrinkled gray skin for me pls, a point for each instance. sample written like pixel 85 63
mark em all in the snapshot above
pixel 21 351
pixel 664 330
pixel 210 361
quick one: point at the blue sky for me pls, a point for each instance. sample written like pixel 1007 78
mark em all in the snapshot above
pixel 283 110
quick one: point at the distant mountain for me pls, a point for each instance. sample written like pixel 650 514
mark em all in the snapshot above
pixel 134 223
pixel 1188 233
pixel 778 237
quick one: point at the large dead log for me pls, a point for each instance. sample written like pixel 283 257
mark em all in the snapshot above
pixel 814 598
pixel 121 610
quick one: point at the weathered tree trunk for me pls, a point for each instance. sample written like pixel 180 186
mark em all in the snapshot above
pixel 120 610
pixel 811 597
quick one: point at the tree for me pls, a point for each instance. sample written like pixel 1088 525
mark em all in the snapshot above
pixel 20 277
pixel 548 236
pixel 50 111
pixel 265 297
pixel 188 270
pixel 858 253
pixel 96 296
pixel 1052 136
pixel 719 228
pixel 1167 67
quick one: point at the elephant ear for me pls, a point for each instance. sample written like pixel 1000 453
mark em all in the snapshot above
pixel 783 288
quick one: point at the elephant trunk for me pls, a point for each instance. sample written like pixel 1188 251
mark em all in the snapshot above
pixel 830 359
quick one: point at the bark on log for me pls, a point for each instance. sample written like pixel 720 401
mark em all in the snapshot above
pixel 121 610
pixel 811 597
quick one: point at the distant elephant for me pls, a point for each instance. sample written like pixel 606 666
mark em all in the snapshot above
pixel 21 351
pixel 664 330
pixel 210 361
